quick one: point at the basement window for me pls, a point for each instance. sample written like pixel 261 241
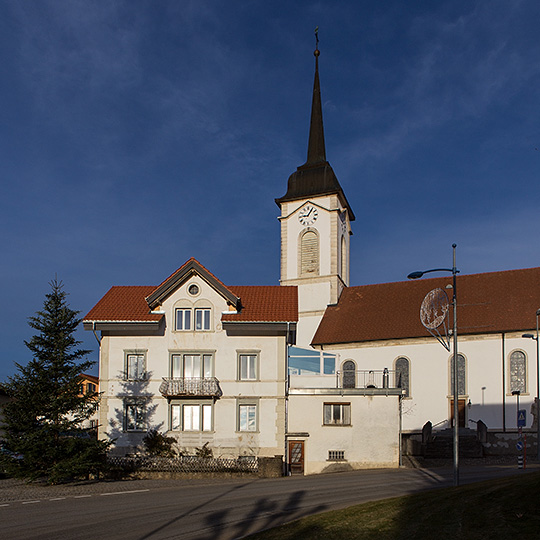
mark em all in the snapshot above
pixel 336 455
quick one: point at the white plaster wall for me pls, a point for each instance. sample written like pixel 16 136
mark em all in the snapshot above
pixel 295 228
pixel 372 439
pixel 225 439
pixel 430 383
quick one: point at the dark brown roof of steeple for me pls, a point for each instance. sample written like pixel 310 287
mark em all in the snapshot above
pixel 316 176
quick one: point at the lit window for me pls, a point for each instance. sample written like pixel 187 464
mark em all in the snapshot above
pixel 337 414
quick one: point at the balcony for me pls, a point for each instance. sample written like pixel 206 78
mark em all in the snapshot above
pixel 383 378
pixel 193 387
pixel 351 382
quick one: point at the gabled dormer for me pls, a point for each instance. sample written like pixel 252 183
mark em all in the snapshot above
pixel 181 276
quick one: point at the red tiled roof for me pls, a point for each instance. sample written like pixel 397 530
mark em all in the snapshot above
pixel 260 304
pixel 265 304
pixel 124 304
pixel 487 303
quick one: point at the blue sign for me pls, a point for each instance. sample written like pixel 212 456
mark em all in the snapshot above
pixel 519 445
pixel 522 418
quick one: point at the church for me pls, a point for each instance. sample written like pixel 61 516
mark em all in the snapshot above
pixel 327 375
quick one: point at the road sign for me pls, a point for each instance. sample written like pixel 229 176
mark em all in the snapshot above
pixel 522 418
pixel 519 445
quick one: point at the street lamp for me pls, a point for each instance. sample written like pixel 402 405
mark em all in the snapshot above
pixel 454 271
pixel 532 336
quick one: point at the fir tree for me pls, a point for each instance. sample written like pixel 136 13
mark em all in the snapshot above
pixel 44 419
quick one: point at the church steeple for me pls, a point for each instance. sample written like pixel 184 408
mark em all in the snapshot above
pixel 316 148
pixel 315 177
pixel 315 228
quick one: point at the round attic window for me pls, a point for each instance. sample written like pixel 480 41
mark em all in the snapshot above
pixel 193 290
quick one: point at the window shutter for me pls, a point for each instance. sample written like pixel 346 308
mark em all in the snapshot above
pixel 310 253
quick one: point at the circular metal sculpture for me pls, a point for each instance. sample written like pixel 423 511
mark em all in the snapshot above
pixel 434 309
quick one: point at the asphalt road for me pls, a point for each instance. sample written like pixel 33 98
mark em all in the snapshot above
pixel 209 510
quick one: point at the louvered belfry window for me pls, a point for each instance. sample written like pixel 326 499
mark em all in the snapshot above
pixel 310 253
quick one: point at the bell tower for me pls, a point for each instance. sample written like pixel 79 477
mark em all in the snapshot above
pixel 315 228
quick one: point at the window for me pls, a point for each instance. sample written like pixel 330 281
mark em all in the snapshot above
pixel 183 319
pixel 518 372
pixel 336 455
pixel 461 375
pixel 192 416
pixel 309 253
pixel 188 319
pixel 202 319
pixel 337 414
pixel 191 366
pixel 343 259
pixel 349 374
pixel 135 366
pixel 247 367
pixel 134 416
pixel 247 417
pixel 402 375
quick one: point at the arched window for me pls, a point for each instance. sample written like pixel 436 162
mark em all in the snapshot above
pixel 309 253
pixel 462 386
pixel 402 375
pixel 343 259
pixel 349 374
pixel 518 372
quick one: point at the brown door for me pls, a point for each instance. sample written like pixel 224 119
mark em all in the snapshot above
pixel 461 412
pixel 296 457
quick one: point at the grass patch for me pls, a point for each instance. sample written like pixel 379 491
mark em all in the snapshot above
pixel 497 509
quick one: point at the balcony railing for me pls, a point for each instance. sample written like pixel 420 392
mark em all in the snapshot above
pixel 196 386
pixel 368 379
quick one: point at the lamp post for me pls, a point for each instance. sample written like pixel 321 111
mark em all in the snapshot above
pixel 454 271
pixel 535 337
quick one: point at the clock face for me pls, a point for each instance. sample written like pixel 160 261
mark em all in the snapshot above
pixel 308 215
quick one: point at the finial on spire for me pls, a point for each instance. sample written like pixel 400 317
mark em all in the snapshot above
pixel 317 52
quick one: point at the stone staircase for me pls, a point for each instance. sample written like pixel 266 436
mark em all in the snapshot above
pixel 441 444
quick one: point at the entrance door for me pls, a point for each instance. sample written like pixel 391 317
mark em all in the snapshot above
pixel 296 457
pixel 461 412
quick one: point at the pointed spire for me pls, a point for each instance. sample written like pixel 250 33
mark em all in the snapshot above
pixel 316 147
pixel 315 177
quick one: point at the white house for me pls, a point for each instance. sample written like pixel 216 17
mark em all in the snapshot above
pixel 325 374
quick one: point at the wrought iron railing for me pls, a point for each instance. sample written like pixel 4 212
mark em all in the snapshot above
pixel 383 378
pixel 185 386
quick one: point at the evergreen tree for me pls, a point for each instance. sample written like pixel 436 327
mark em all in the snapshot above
pixel 44 419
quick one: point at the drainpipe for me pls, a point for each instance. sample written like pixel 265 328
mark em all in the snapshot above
pixel 287 382
pixel 503 385
pixel 94 331
pixel 401 430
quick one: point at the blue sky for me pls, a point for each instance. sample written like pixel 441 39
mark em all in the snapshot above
pixel 136 134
